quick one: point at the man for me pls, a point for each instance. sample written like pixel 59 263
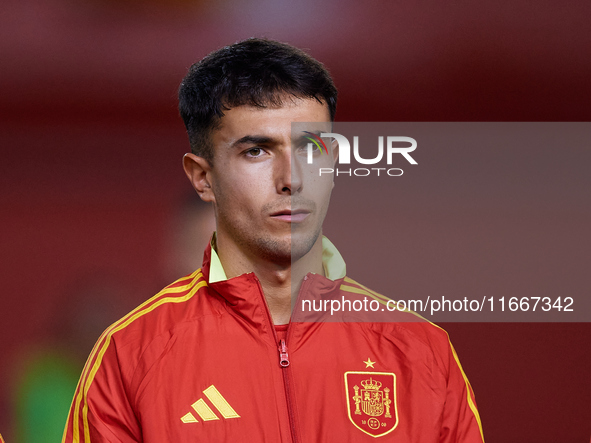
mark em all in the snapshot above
pixel 214 356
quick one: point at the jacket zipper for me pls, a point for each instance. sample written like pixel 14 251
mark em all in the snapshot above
pixel 283 356
pixel 284 361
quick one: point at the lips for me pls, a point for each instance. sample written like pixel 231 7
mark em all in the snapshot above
pixel 291 215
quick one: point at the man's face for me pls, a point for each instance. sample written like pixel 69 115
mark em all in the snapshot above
pixel 269 202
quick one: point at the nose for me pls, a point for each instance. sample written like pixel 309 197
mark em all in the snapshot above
pixel 288 174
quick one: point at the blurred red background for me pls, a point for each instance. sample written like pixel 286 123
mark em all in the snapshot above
pixel 91 178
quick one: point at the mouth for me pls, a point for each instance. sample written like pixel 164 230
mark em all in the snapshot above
pixel 291 215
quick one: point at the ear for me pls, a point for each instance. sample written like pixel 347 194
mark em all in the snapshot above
pixel 198 171
pixel 334 146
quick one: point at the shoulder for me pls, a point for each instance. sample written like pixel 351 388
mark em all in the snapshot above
pixel 153 322
pixel 125 352
pixel 388 316
pixel 425 343
pixel 162 310
pixel 128 348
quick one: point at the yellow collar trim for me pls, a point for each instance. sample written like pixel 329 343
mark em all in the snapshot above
pixel 216 270
pixel 332 262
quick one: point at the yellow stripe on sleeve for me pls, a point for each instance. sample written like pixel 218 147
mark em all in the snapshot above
pixel 353 282
pixel 85 378
pixel 357 290
pixel 471 403
pixel 99 359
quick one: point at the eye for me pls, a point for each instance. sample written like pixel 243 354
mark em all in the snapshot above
pixel 303 149
pixel 254 152
pixel 312 144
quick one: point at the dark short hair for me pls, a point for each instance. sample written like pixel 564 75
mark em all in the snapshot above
pixel 255 72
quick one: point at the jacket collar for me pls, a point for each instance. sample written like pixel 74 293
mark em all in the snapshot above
pixel 239 290
pixel 332 262
pixel 244 295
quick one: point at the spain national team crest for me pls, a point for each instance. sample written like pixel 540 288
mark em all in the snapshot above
pixel 371 401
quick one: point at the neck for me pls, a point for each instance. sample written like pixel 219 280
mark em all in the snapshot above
pixel 280 281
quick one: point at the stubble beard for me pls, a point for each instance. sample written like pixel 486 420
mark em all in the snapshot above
pixel 281 250
pixel 287 250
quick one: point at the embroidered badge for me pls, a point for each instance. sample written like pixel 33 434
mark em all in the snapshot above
pixel 371 401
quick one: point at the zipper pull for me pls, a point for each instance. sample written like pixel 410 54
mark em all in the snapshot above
pixel 283 358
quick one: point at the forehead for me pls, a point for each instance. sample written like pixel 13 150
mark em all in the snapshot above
pixel 272 121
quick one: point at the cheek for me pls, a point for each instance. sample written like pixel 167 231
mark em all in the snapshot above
pixel 320 187
pixel 239 197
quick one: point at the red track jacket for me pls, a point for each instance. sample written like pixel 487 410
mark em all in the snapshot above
pixel 202 362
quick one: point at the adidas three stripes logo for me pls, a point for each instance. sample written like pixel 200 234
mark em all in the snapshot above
pixel 205 412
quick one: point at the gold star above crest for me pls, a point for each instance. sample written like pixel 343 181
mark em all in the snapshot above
pixel 369 363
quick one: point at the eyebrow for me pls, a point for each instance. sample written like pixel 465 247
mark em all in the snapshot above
pixel 265 140
pixel 303 137
pixel 316 132
pixel 253 140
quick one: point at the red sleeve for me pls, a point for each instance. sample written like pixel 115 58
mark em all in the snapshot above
pixel 101 410
pixel 461 421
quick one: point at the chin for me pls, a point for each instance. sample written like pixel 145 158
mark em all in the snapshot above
pixel 302 243
pixel 276 250
pixel 300 249
pixel 288 248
